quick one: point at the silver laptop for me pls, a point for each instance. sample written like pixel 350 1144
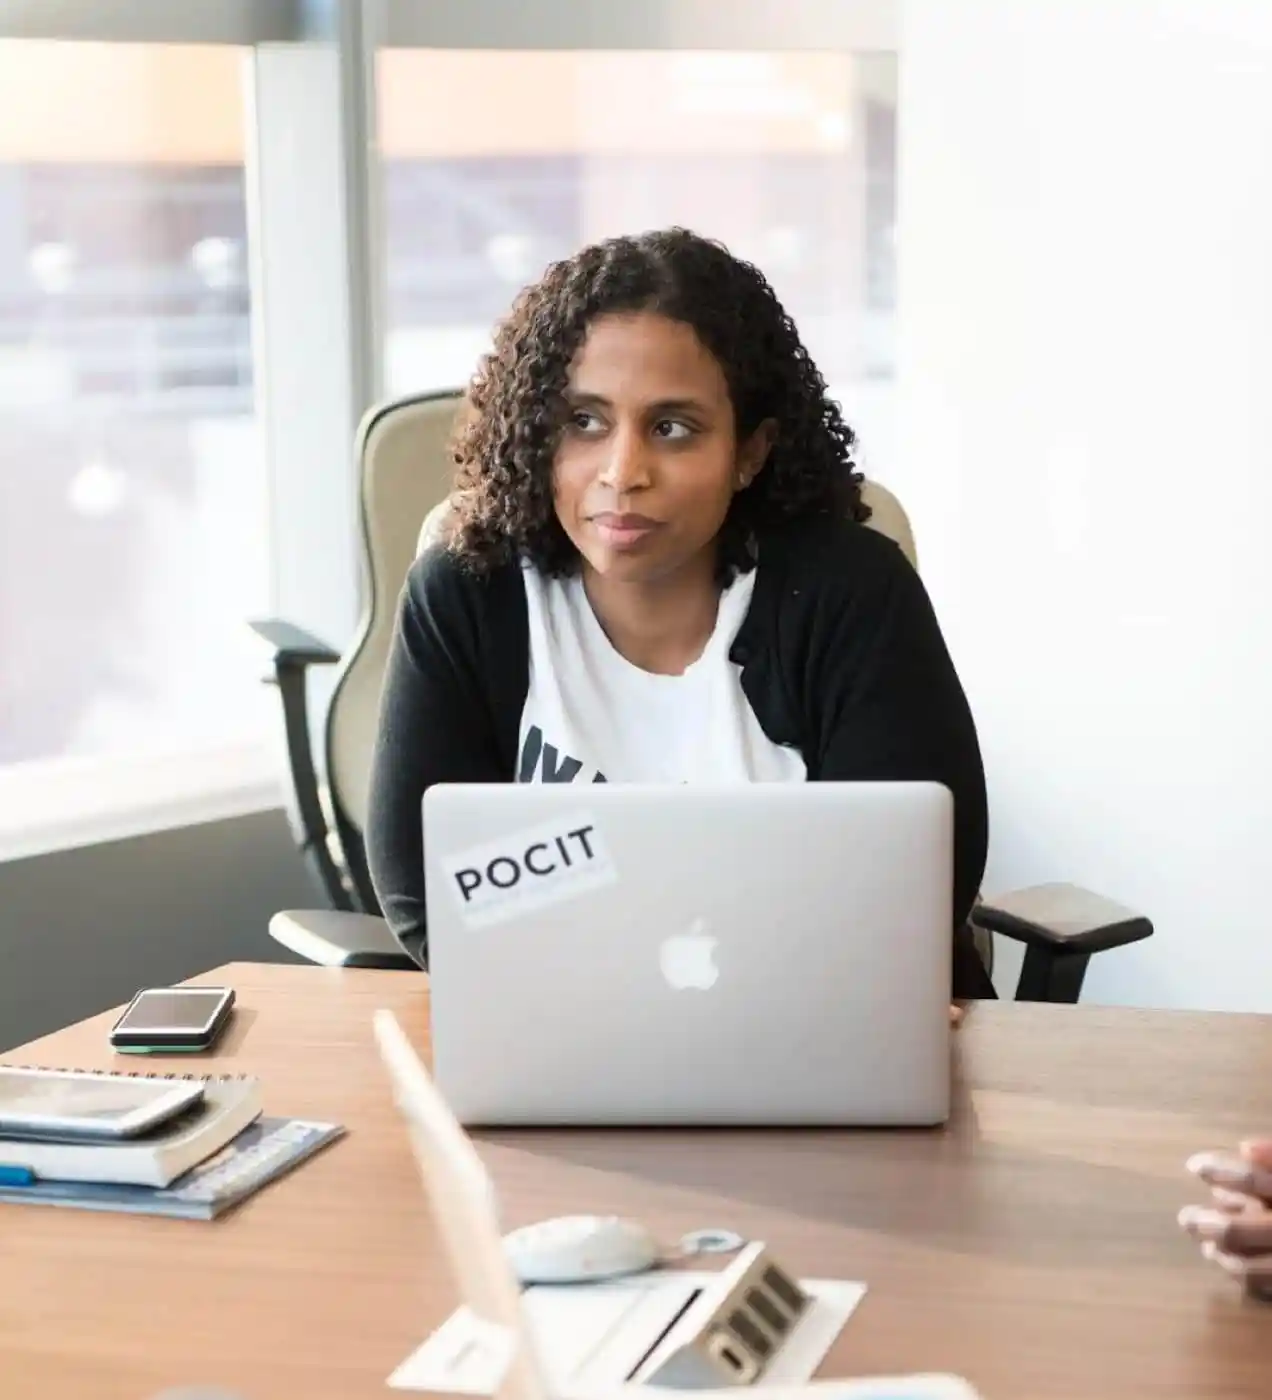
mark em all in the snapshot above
pixel 761 954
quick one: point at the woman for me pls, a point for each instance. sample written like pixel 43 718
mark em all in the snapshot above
pixel 657 570
pixel 1235 1230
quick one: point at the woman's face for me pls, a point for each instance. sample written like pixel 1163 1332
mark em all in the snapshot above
pixel 649 460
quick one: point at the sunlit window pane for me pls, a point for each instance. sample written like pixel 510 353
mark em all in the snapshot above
pixel 498 162
pixel 133 527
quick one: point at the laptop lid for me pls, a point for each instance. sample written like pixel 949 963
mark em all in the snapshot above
pixel 643 954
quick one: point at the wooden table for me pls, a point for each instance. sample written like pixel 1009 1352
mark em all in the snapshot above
pixel 1031 1246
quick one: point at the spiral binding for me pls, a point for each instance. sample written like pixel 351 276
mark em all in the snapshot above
pixel 127 1074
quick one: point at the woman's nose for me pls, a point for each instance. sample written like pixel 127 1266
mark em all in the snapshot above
pixel 626 465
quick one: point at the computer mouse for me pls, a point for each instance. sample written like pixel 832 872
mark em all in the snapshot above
pixel 580 1249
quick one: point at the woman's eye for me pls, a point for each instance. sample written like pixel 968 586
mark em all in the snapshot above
pixel 584 422
pixel 672 431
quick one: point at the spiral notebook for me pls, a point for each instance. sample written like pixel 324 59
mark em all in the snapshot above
pixel 229 1104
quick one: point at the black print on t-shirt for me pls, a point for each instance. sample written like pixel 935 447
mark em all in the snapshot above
pixel 543 763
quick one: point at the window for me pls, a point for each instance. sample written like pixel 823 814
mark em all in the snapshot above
pixel 497 162
pixel 195 202
pixel 133 514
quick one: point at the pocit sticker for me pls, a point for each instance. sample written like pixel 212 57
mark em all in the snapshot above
pixel 529 869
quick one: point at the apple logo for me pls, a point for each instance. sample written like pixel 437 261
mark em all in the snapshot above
pixel 687 960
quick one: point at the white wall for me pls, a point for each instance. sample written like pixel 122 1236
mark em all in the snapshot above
pixel 1086 445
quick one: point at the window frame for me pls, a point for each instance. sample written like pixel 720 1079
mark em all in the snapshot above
pixel 238 22
pixel 768 26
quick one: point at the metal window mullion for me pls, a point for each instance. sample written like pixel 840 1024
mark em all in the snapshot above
pixel 315 309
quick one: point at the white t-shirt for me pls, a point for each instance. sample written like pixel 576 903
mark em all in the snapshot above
pixel 592 716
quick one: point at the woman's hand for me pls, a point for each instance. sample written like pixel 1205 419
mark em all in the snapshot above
pixel 956 1014
pixel 1235 1230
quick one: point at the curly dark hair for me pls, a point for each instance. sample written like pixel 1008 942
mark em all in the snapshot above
pixel 504 448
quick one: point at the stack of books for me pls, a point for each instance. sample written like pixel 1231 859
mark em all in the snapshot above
pixel 197 1165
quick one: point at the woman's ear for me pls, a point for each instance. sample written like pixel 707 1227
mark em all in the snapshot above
pixel 754 453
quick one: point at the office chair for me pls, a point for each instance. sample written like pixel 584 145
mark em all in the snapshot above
pixel 405 470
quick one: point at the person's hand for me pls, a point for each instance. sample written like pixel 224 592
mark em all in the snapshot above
pixel 1235 1230
pixel 956 1014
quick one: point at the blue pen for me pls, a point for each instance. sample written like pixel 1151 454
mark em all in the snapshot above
pixel 16 1176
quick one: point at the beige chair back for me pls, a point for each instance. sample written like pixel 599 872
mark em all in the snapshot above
pixel 889 518
pixel 405 471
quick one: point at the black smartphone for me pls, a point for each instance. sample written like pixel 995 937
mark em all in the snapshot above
pixel 169 1020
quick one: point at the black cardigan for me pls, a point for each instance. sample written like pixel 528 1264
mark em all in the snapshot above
pixel 841 657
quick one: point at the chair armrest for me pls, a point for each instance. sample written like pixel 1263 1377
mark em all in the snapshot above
pixel 292 645
pixel 335 939
pixel 1062 919
pixel 293 651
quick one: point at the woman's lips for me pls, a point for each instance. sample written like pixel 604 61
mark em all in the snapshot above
pixel 624 531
